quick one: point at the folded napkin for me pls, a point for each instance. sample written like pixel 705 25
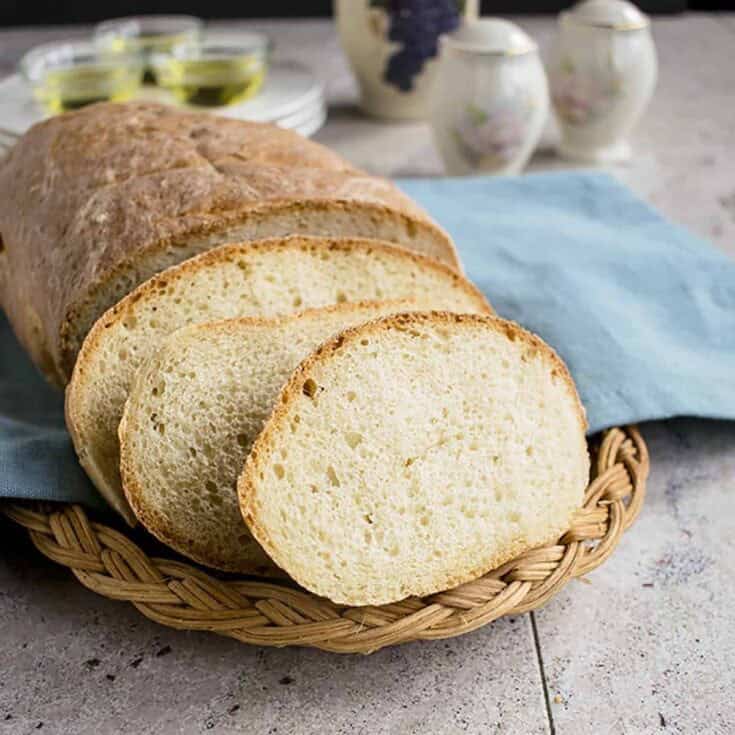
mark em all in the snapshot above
pixel 642 312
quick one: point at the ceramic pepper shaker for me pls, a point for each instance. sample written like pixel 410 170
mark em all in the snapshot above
pixel 490 100
pixel 602 73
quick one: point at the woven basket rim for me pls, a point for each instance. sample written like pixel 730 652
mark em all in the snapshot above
pixel 270 612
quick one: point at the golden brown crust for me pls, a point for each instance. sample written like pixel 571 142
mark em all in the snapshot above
pixel 85 193
pixel 264 444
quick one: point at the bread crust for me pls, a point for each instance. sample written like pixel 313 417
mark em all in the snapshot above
pixel 88 196
pixel 266 441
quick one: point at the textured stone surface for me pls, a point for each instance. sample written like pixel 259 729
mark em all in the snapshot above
pixel 81 664
pixel 651 648
pixel 645 645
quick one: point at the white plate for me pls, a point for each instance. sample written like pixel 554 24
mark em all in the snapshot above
pixel 288 89
pixel 291 97
pixel 307 128
pixel 296 118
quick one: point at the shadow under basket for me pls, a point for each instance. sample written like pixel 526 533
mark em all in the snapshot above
pixel 181 595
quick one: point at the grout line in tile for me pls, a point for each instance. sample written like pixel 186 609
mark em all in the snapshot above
pixel 542 672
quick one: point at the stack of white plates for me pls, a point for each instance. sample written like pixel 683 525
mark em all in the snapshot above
pixel 291 97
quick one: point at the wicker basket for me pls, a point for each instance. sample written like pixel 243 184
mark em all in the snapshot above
pixel 277 613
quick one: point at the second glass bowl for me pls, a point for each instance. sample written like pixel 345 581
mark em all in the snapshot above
pixel 219 69
pixel 147 35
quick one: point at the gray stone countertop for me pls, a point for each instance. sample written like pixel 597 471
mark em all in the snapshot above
pixel 645 644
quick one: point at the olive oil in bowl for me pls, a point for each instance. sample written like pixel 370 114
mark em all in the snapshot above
pixel 221 70
pixel 212 82
pixel 69 75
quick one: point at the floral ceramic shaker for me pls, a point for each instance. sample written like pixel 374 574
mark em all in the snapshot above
pixel 602 74
pixel 490 100
pixel 392 45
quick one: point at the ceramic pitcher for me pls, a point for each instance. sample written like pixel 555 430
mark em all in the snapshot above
pixel 602 73
pixel 392 47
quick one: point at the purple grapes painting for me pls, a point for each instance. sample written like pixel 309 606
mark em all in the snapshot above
pixel 416 26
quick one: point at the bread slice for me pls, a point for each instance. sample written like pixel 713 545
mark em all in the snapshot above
pixel 415 453
pixel 194 410
pixel 252 279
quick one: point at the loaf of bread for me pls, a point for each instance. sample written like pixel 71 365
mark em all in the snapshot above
pixel 254 279
pixel 415 453
pixel 94 202
pixel 194 410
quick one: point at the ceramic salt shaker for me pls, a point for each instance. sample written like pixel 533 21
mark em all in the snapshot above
pixel 602 73
pixel 490 99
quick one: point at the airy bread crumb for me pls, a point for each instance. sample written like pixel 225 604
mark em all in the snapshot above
pixel 415 453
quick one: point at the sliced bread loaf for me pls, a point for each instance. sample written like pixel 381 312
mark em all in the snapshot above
pixel 251 279
pixel 415 453
pixel 96 201
pixel 195 409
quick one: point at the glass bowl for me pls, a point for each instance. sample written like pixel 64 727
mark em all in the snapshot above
pixel 219 69
pixel 147 35
pixel 67 75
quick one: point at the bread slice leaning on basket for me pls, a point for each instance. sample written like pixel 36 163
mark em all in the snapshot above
pixel 414 453
pixel 195 409
pixel 94 202
pixel 252 279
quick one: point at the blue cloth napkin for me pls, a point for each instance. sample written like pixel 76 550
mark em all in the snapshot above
pixel 642 311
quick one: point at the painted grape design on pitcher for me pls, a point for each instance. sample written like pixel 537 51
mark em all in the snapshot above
pixel 416 26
